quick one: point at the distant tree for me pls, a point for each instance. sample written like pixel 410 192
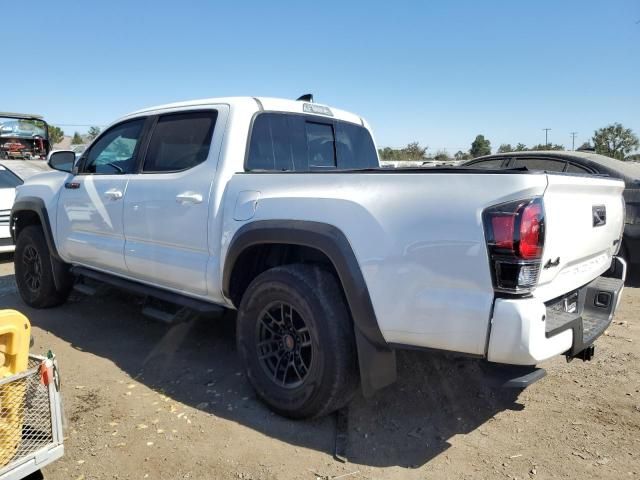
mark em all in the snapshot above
pixel 550 146
pixel 615 141
pixel 77 139
pixel 460 155
pixel 93 133
pixel 384 153
pixel 480 146
pixel 55 134
pixel 505 148
pixel 520 147
pixel 442 156
pixel 412 151
pixel 586 146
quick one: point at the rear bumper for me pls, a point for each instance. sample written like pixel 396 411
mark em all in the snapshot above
pixel 528 331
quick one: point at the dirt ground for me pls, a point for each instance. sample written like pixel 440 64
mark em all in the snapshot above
pixel 148 400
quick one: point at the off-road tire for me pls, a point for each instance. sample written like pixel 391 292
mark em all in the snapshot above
pixel 317 298
pixel 31 249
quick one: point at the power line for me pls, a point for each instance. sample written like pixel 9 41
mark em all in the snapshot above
pixel 573 140
pixel 546 136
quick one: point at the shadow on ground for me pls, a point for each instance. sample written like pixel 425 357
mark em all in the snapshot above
pixel 406 424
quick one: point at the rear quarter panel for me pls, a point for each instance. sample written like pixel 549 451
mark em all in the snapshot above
pixel 418 239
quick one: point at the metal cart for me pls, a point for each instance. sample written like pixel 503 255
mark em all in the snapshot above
pixel 30 419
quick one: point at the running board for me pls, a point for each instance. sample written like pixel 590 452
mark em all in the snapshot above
pixel 147 290
pixel 165 312
pixel 85 289
pixel 159 315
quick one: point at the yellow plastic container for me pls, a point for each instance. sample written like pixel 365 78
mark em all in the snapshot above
pixel 15 335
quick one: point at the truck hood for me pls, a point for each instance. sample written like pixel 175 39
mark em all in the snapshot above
pixel 46 186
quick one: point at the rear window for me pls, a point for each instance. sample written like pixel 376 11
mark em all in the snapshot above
pixel 494 164
pixel 321 144
pixel 546 164
pixel 573 168
pixel 8 179
pixel 285 142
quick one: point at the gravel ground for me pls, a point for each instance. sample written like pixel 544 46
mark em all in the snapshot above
pixel 148 400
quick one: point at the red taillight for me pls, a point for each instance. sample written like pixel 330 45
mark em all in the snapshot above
pixel 515 239
pixel 503 226
pixel 530 246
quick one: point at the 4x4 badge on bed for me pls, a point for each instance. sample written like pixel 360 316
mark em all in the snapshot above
pixel 599 215
pixel 551 263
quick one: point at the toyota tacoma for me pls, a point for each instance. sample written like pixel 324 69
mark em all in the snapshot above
pixel 278 209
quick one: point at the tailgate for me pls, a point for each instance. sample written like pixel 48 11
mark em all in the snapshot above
pixel 584 218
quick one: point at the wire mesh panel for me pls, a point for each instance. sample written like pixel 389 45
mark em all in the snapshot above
pixel 25 415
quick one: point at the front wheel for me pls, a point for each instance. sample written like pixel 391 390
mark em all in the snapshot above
pixel 34 270
pixel 295 338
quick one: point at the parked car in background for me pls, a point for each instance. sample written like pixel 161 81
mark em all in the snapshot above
pixel 23 136
pixel 8 183
pixel 586 163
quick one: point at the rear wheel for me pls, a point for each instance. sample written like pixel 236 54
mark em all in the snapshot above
pixel 34 270
pixel 296 341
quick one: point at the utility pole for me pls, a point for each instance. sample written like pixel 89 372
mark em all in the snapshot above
pixel 546 136
pixel 573 140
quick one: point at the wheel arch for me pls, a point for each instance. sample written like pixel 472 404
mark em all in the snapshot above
pixel 32 211
pixel 316 242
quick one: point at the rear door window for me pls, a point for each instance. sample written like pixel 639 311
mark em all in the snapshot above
pixel 546 164
pixel 179 141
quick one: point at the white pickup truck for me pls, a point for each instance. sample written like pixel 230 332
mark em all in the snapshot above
pixel 278 209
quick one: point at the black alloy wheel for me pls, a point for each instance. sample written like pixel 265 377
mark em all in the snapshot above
pixel 32 268
pixel 285 349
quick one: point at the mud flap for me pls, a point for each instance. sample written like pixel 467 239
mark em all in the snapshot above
pixel 377 365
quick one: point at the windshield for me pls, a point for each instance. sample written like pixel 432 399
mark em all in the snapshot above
pixel 8 179
pixel 23 128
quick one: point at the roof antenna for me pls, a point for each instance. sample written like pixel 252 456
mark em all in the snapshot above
pixel 307 97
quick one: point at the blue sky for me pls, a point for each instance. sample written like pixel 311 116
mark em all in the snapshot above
pixel 435 72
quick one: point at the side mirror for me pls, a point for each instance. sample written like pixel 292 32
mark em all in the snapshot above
pixel 62 160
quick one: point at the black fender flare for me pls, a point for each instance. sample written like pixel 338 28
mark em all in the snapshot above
pixel 376 359
pixel 37 206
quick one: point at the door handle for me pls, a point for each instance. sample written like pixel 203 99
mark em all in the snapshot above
pixel 113 194
pixel 189 197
